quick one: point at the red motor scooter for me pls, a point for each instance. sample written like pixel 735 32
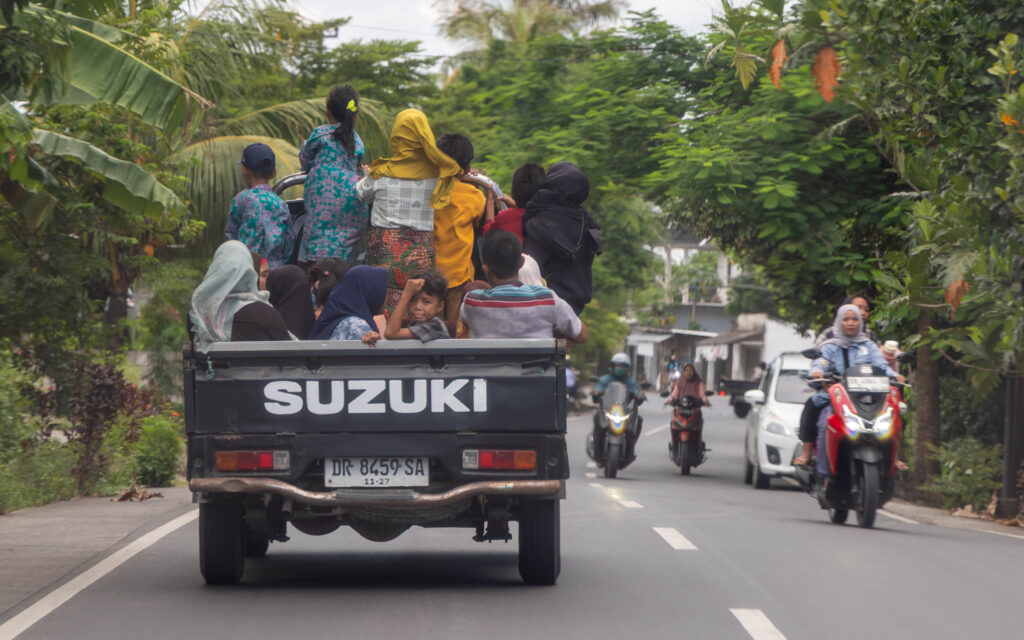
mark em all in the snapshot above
pixel 687 448
pixel 861 442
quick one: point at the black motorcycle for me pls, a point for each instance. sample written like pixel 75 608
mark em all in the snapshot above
pixel 612 445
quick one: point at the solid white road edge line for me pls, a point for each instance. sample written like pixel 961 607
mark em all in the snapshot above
pixel 757 624
pixel 657 430
pixel 629 504
pixel 890 514
pixel 675 539
pixel 1000 533
pixel 24 620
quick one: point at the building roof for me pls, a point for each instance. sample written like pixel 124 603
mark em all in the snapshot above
pixel 732 336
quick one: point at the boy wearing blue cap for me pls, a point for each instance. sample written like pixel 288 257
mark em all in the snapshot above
pixel 259 217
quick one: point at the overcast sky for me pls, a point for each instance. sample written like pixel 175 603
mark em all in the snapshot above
pixel 417 19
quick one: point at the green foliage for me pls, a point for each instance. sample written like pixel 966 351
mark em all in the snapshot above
pixel 966 413
pixel 16 431
pixel 607 333
pixel 749 293
pixel 785 182
pixel 158 451
pixel 162 319
pixel 938 83
pixel 971 472
pixel 40 475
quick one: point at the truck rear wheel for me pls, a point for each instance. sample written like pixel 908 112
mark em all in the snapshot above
pixel 540 553
pixel 221 542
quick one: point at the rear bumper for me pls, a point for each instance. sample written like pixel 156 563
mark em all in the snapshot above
pixel 394 498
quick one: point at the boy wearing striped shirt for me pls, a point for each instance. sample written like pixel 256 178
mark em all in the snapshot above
pixel 511 309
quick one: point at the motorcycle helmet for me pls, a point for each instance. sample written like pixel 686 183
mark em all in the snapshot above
pixel 620 365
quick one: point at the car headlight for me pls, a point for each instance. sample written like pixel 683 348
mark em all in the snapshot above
pixel 778 429
pixel 883 424
pixel 854 425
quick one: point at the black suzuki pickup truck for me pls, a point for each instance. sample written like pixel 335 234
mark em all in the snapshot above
pixel 319 435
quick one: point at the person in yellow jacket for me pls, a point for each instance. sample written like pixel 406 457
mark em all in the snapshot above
pixel 454 225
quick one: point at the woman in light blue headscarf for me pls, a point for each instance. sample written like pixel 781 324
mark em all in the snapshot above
pixel 227 307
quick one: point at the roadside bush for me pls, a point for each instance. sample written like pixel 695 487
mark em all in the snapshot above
pixel 970 472
pixel 40 475
pixel 968 414
pixel 158 452
pixel 118 452
pixel 16 430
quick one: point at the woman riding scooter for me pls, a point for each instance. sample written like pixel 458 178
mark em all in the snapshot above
pixel 688 384
pixel 848 346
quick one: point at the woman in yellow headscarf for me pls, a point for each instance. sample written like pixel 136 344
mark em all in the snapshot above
pixel 405 189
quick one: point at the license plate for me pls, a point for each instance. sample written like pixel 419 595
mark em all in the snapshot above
pixel 874 384
pixel 376 472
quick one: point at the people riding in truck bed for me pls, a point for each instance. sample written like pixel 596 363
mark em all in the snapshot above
pixel 332 158
pixel 561 235
pixel 289 294
pixel 258 217
pixel 419 314
pixel 454 223
pixel 227 307
pixel 353 303
pixel 511 309
pixel 405 189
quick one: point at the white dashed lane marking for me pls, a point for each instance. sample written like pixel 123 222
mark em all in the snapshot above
pixel 675 539
pixel 629 504
pixel 757 624
pixel 590 475
pixel 656 430
pixel 591 465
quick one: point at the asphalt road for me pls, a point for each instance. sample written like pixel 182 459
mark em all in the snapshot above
pixel 650 554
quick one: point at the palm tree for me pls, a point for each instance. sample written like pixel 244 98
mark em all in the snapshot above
pixel 482 22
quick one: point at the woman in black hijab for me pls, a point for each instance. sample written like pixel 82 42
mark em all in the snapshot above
pixel 561 236
pixel 289 293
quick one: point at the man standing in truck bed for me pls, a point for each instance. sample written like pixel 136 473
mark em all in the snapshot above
pixel 511 309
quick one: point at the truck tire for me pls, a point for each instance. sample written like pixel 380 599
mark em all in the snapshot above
pixel 540 553
pixel 221 542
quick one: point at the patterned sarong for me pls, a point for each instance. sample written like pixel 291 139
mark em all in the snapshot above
pixel 403 252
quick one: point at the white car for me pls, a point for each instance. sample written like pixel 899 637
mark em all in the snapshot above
pixel 773 424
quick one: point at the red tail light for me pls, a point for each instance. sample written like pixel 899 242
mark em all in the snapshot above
pixel 499 459
pixel 253 461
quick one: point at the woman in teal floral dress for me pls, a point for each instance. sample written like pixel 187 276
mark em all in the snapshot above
pixel 332 157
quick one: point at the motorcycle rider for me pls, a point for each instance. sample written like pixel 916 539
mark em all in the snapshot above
pixel 673 363
pixel 808 431
pixel 849 345
pixel 689 384
pixel 619 372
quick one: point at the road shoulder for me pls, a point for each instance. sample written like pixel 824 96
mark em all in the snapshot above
pixel 44 547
